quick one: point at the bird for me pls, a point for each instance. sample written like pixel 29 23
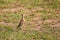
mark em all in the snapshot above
pixel 21 21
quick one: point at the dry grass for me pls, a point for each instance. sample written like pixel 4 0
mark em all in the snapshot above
pixel 42 20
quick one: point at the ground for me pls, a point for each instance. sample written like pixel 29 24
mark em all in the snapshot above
pixel 42 19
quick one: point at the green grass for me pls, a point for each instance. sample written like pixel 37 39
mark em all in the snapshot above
pixel 34 3
pixel 27 35
pixel 43 3
pixel 48 32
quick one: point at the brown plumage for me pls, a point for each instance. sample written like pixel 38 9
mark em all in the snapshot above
pixel 20 23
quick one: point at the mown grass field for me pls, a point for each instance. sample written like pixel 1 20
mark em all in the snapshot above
pixel 42 19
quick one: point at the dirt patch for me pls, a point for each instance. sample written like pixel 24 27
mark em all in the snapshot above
pixel 7 24
pixel 56 25
pixel 51 22
pixel 14 9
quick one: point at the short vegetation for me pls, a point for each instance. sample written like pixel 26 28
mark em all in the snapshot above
pixel 42 19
